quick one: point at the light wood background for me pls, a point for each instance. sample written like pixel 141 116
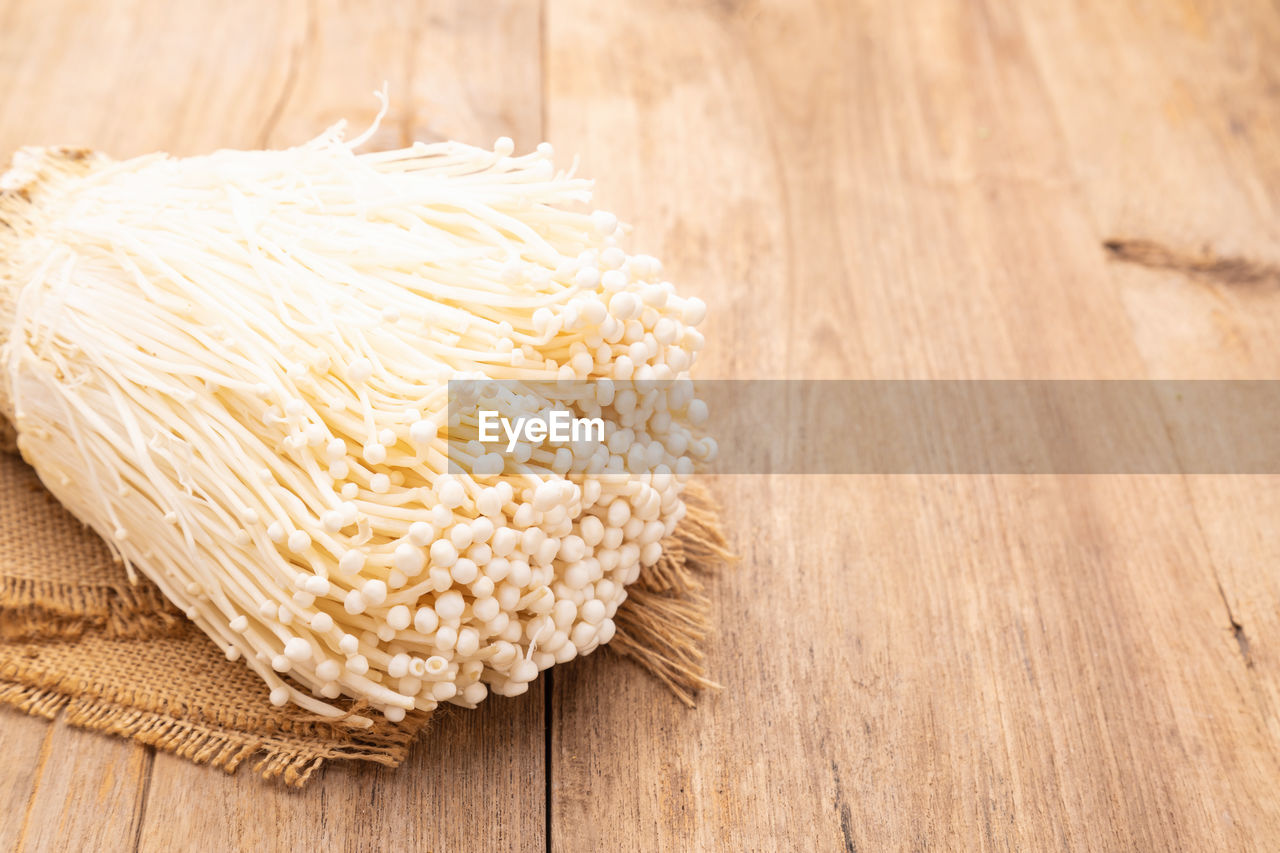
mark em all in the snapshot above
pixel 858 189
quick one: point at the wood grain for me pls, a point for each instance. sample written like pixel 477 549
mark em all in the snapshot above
pixel 922 190
pixel 88 793
pixel 476 781
pixel 25 742
pixel 862 190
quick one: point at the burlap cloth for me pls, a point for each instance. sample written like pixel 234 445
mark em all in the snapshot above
pixel 77 639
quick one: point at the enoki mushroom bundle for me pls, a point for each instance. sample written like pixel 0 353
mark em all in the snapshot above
pixel 234 367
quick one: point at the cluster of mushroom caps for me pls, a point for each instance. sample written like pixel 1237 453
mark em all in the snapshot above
pixel 237 369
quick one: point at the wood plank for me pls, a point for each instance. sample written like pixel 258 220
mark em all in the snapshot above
pixel 89 794
pixel 133 77
pixel 25 743
pixel 148 75
pixel 1203 97
pixel 144 75
pixel 967 663
pixel 475 781
pixel 1212 191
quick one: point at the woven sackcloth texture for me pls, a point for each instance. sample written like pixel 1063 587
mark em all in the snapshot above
pixel 78 639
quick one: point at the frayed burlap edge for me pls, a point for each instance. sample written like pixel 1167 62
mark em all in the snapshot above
pixel 661 627
pixel 290 760
pixel 47 609
pixel 665 620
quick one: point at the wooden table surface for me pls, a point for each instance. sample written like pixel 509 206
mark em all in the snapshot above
pixel 866 189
